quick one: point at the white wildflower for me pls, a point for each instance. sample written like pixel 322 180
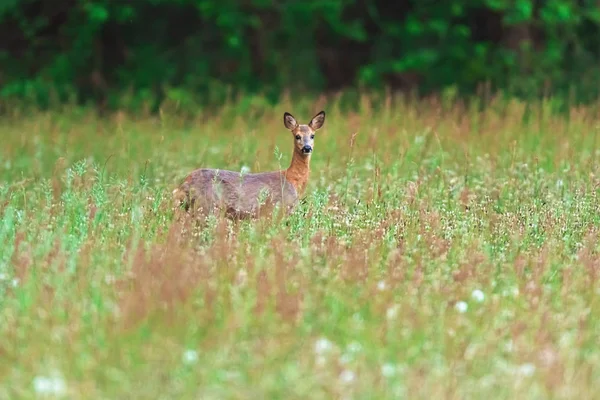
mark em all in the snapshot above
pixel 392 312
pixel 245 169
pixel 190 357
pixel 323 345
pixel 478 295
pixel 461 306
pixel 388 370
pixel 46 385
pixel 347 376
pixel 381 285
pixel 527 369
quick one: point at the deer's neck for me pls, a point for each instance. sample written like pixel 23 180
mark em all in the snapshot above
pixel 298 172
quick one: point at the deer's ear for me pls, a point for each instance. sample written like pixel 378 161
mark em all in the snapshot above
pixel 317 121
pixel 289 121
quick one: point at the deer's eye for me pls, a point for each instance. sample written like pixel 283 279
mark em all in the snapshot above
pixel 298 137
pixel 312 136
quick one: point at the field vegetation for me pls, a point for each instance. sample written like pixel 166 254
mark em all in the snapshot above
pixel 444 249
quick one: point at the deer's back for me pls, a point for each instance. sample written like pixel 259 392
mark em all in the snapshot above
pixel 242 195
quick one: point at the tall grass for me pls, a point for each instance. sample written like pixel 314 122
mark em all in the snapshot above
pixel 444 250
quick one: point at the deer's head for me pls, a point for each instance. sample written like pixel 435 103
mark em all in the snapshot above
pixel 304 135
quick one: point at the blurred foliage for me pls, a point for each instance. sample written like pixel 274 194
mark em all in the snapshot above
pixel 193 52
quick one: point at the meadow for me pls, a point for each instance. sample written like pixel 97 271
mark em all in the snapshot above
pixel 443 250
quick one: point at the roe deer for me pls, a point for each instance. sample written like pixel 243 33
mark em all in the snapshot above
pixel 242 196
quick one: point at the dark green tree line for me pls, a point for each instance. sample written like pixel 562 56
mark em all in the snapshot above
pixel 115 51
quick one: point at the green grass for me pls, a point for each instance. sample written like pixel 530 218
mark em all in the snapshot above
pixel 372 289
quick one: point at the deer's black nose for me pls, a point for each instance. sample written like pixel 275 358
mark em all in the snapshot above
pixel 307 149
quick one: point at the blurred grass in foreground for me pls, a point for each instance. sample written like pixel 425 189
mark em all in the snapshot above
pixel 443 251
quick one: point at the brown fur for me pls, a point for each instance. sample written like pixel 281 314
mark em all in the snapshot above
pixel 251 195
pixel 298 172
